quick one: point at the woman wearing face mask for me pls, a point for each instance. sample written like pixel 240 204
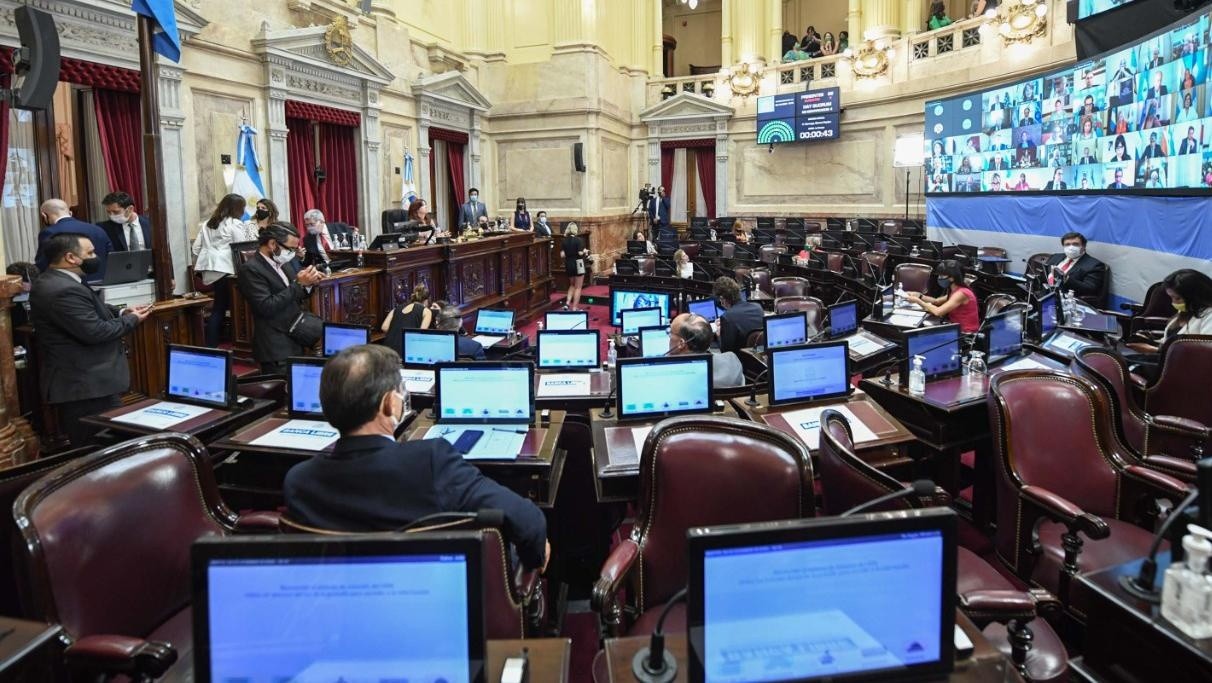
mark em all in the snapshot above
pixel 1190 293
pixel 958 303
pixel 521 217
pixel 265 214
pixel 541 228
pixel 212 259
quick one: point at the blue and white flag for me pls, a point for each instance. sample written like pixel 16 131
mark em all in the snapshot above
pixel 165 38
pixel 410 188
pixel 247 180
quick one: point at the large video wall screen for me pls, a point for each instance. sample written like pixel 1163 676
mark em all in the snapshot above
pixel 1089 8
pixel 1135 118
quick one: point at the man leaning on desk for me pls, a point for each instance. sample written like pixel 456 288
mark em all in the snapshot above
pixel 370 482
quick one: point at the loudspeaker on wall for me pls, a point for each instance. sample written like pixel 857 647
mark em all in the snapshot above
pixel 37 61
pixel 578 157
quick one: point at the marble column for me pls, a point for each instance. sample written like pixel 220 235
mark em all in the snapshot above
pixel 475 175
pixel 279 188
pixel 726 8
pixel 575 22
pixel 424 191
pixel 749 32
pixel 881 18
pixel 636 61
pixel 721 169
pixel 371 161
pixel 658 37
pixel 172 120
pixel 774 44
pixel 854 21
pixel 914 18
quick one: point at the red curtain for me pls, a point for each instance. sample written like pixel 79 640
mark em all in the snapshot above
pixel 300 167
pixel 121 132
pixel 454 158
pixel 667 170
pixel 704 158
pixel 338 194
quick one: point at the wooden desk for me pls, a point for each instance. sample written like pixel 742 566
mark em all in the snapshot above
pixel 889 452
pixel 986 664
pixel 616 462
pixel 599 394
pixel 1128 640
pixel 550 658
pixel 535 474
pixel 205 426
pixel 30 652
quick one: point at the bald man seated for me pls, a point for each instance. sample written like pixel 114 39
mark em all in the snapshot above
pixel 690 333
pixel 58 219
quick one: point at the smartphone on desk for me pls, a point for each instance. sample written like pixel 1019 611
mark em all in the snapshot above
pixel 468 440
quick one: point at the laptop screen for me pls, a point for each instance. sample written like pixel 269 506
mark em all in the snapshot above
pixel 786 330
pixel 659 387
pixel 425 348
pixel 843 573
pixel 704 308
pixel 305 387
pixel 654 341
pixel 335 610
pixel 339 337
pixel 485 392
pixel 624 299
pixel 888 300
pixel 636 318
pixel 940 346
pixel 567 320
pixel 199 376
pixel 1048 314
pixel 568 349
pixel 1005 335
pixel 490 321
pixel 809 373
pixel 843 319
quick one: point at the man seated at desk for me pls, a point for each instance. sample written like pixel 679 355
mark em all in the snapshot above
pixel 1075 269
pixel 740 318
pixel 370 482
pixel 690 333
pixel 450 319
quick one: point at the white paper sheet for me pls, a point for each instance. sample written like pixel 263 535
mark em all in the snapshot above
pixel 807 424
pixel 640 435
pixel 305 435
pixel 162 414
pixel 862 346
pixel 564 384
pixel 417 381
pixel 906 319
pixel 487 340
pixel 496 443
pixel 1025 364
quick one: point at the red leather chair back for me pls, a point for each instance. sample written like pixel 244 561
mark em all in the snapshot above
pixel 813 226
pixel 1157 303
pixel 846 480
pixel 272 387
pixel 647 265
pixel 1037 264
pixel 789 286
pixel 992 251
pixel 1181 388
pixel 995 303
pixel 769 253
pixel 691 249
pixel 891 227
pixel 915 277
pixel 707 471
pixel 761 280
pixel 872 263
pixel 107 538
pixel 1109 370
pixel 809 304
pixel 835 261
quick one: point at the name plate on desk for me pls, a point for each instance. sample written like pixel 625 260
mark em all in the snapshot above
pixel 417 381
pixel 162 415
pixel 806 423
pixel 305 435
pixel 564 384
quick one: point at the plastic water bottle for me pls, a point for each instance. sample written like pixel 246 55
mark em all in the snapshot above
pixel 900 292
pixel 976 365
pixel 1069 303
pixel 914 252
pixel 917 377
pixel 361 243
pixel 611 356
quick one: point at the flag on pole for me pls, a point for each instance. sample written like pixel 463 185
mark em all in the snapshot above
pixel 165 38
pixel 247 180
pixel 410 187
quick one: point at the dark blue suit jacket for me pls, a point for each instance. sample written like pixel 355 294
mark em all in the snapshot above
pixel 663 211
pixel 371 483
pixel 70 224
pixel 466 347
pixel 738 322
pixel 117 233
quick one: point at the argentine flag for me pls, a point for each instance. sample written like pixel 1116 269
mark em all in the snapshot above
pixel 247 180
pixel 410 187
pixel 165 38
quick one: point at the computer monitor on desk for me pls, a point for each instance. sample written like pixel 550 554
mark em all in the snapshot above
pixel 494 321
pixel 704 308
pixel 635 318
pixel 566 320
pixel 656 388
pixel 654 341
pixel 340 336
pixel 939 345
pixel 843 319
pixel 423 349
pixel 303 388
pixel 1003 336
pixel 809 372
pixel 485 392
pixel 786 329
pixel 200 376
pixel 637 247
pixel 625 298
pixel 568 349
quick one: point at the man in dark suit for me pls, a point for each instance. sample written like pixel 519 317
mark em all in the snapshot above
pixel 470 212
pixel 58 219
pixel 321 238
pixel 276 292
pixel 84 367
pixel 1058 181
pixel 1087 157
pixel 662 208
pixel 370 482
pixel 1189 144
pixel 1076 270
pixel 740 318
pixel 450 320
pixel 1153 150
pixel 127 230
pixel 1118 183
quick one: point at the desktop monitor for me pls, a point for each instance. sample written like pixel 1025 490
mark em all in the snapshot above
pixel 704 308
pixel 340 336
pixel 1050 313
pixel 655 388
pixel 654 341
pixel 939 345
pixel 885 303
pixel 200 376
pixel 566 320
pixel 485 392
pixel 424 349
pixel 494 321
pixel 568 349
pixel 624 266
pixel 809 600
pixel 328 607
pixel 637 247
pixel 622 299
pixel 1004 335
pixel 635 318
pixel 809 372
pixel 843 319
pixel 786 329
pixel 303 387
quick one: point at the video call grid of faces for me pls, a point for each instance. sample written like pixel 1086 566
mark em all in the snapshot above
pixel 1139 118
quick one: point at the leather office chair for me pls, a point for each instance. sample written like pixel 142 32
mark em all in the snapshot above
pixel 994 251
pixel 646 264
pixel 872 263
pixel 755 338
pixel 813 226
pixel 1147 321
pixel 697 471
pixel 691 249
pixel 1037 264
pixel 107 543
pixel 996 303
pixel 1099 300
pixel 769 253
pixel 761 280
pixel 1063 474
pixel 393 216
pixel 891 227
pixel 272 387
pixel 835 261
pixel 847 481
pixel 1154 438
pixel 1182 379
pixel 790 286
pixel 914 277
pixel 811 305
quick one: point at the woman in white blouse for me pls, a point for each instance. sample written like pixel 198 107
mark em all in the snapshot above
pixel 1191 293
pixel 213 261
pixel 685 267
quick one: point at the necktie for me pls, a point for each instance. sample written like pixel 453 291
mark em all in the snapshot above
pixel 1066 266
pixel 132 241
pixel 325 242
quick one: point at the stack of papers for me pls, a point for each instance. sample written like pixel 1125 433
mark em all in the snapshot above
pixel 564 384
pixel 162 415
pixel 906 318
pixel 495 443
pixel 807 425
pixel 487 340
pixel 304 435
pixel 640 434
pixel 862 346
pixel 1025 364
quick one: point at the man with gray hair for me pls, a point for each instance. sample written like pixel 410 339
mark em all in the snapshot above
pixel 690 333
pixel 320 238
pixel 450 319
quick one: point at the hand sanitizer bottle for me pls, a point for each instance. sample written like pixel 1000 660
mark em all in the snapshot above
pixel 1187 588
pixel 917 377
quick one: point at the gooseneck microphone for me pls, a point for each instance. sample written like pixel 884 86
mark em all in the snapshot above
pixel 655 664
pixel 919 488
pixel 752 401
pixel 1142 585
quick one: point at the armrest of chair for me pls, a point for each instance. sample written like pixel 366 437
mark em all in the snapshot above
pixel 259 522
pixel 1138 382
pixel 1183 470
pixel 1179 426
pixel 1163 484
pixel 1066 512
pixel 1132 309
pixel 110 655
pixel 616 568
pixel 986 606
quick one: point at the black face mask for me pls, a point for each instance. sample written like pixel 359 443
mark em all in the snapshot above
pixel 261 214
pixel 90 265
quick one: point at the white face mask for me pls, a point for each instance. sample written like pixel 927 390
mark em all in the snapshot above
pixel 315 229
pixel 284 256
pixel 118 217
pixel 1073 252
pixel 397 421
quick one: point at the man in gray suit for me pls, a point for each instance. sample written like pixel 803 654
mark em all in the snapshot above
pixel 470 212
pixel 690 333
pixel 84 368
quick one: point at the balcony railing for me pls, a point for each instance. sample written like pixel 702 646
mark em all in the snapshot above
pixel 954 38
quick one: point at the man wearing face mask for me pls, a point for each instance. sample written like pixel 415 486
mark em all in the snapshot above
pixel 276 291
pixel 1076 270
pixel 470 213
pixel 542 228
pixel 84 368
pixel 318 242
pixel 127 230
pixel 370 482
pixel 690 333
pixel 58 219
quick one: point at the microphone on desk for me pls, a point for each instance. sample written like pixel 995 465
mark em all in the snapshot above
pixel 655 664
pixel 483 518
pixel 920 488
pixel 752 401
pixel 823 333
